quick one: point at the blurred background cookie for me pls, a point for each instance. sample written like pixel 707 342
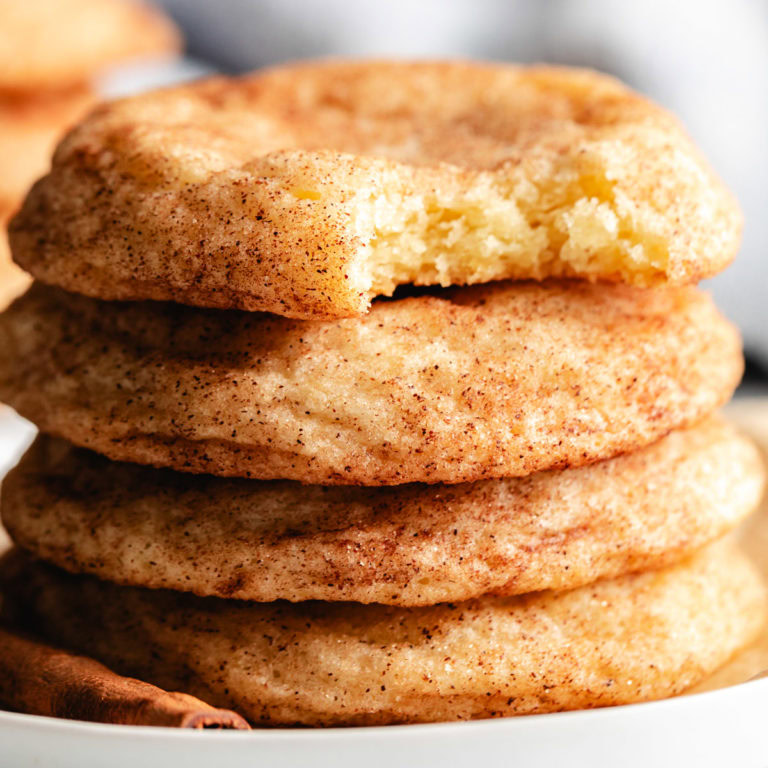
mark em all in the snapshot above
pixel 51 44
pixel 51 53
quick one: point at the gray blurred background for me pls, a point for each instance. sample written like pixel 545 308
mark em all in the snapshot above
pixel 707 60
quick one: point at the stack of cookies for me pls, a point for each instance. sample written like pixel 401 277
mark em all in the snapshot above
pixel 368 496
pixel 50 52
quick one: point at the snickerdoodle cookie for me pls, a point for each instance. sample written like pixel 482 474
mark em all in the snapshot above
pixel 48 44
pixel 635 638
pixel 310 189
pixel 481 382
pixel 30 126
pixel 403 545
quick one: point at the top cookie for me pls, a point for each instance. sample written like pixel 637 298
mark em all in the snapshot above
pixel 310 189
pixel 56 43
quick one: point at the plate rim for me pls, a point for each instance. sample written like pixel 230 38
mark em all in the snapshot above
pixel 335 733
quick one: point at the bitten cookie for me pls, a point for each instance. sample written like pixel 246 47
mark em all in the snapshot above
pixel 310 189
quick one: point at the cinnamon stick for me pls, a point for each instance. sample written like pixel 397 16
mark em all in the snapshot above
pixel 38 679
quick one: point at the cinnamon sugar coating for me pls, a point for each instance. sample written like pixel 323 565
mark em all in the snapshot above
pixel 310 189
pixel 632 639
pixel 482 382
pixel 405 545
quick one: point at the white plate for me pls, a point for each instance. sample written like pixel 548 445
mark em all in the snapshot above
pixel 721 728
pixel 725 727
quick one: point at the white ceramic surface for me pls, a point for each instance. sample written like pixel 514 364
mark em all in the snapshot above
pixel 722 728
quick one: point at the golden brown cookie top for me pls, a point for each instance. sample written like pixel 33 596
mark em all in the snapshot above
pixel 56 43
pixel 307 190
